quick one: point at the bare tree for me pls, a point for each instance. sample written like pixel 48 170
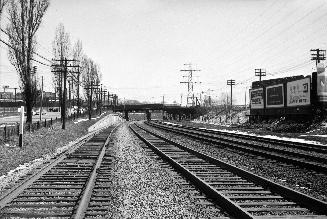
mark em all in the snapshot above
pixel 61 48
pixel 25 17
pixel 90 73
pixel 78 50
pixel 61 44
pixel 77 55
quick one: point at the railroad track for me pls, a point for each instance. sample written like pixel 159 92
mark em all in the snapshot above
pixel 309 156
pixel 70 186
pixel 241 193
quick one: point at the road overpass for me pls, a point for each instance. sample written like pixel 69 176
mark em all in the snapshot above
pixel 171 111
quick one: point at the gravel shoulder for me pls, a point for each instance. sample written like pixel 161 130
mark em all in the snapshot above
pixel 141 188
pixel 306 181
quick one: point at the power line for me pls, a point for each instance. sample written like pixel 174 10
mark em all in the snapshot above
pixel 21 52
pixel 33 51
pixel 286 28
pixel 252 24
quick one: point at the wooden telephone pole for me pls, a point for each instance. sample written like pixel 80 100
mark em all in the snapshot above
pixel 260 72
pixel 231 82
pixel 62 69
pixel 92 87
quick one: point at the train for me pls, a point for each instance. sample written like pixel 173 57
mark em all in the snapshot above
pixel 289 96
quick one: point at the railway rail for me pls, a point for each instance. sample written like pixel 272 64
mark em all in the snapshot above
pixel 241 193
pixel 305 155
pixel 70 186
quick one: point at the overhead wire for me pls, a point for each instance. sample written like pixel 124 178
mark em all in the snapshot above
pixel 289 26
pixel 20 52
pixel 238 46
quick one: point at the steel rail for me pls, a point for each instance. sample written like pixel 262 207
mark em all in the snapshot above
pixel 300 198
pixel 73 155
pixel 84 202
pixel 252 149
pixel 240 137
pixel 223 201
pixel 10 194
pixel 320 148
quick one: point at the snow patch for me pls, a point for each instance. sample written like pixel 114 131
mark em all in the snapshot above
pixel 108 120
pixel 298 140
pixel 80 120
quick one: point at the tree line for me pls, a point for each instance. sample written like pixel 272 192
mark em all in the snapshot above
pixel 24 20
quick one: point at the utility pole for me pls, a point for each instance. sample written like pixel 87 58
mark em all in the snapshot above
pixel 64 97
pixel 231 82
pixel 103 96
pixel 245 100
pixel 15 93
pixel 69 94
pixel 62 68
pixel 318 55
pixel 41 98
pixel 92 87
pixel 163 106
pixel 75 79
pixel 78 99
pixel 209 94
pixel 100 104
pixel 260 72
pixel 189 82
pixel 115 101
pixel 35 88
pixel 90 104
pixel 110 102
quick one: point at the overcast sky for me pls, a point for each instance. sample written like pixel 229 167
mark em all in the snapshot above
pixel 141 45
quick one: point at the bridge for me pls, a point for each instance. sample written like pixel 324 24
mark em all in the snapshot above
pixel 171 111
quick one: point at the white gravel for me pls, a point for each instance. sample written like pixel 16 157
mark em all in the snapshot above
pixel 303 180
pixel 141 188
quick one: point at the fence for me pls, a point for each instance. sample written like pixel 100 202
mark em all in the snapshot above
pixel 8 111
pixel 9 131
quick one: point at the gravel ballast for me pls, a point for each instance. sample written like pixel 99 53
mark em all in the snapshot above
pixel 141 188
pixel 303 180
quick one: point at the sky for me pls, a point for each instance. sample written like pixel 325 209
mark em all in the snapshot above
pixel 141 45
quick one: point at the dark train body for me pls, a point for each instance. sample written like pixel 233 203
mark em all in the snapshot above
pixel 296 96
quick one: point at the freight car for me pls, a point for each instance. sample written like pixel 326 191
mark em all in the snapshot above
pixel 288 97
